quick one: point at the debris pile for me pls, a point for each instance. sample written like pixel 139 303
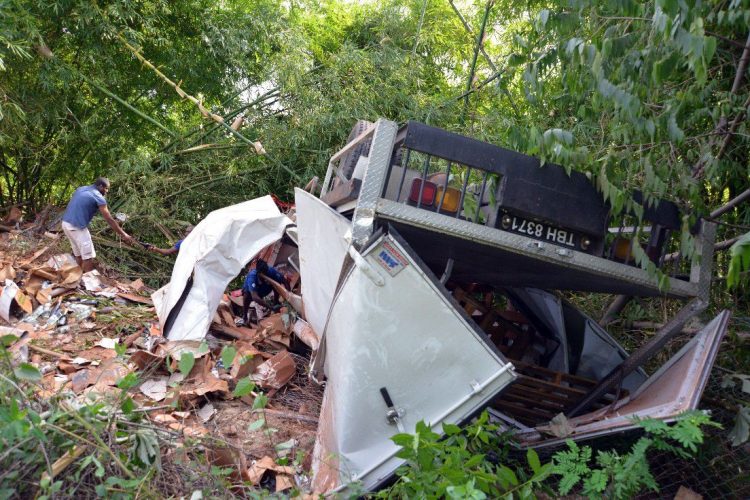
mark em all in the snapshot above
pixel 244 388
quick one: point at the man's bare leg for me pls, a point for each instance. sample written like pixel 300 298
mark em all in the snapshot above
pixel 79 261
pixel 87 265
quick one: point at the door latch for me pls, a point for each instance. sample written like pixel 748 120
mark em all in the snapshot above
pixel 394 415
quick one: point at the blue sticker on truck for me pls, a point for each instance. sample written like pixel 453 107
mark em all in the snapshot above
pixel 390 258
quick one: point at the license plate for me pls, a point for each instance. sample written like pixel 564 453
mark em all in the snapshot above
pixel 540 231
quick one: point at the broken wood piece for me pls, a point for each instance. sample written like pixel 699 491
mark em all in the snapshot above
pixel 47 352
pixel 235 332
pixel 245 362
pixel 135 298
pixel 7 273
pixel 293 299
pixel 276 372
pixel 63 462
pixel 131 338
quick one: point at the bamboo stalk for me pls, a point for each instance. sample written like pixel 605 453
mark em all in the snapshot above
pixel 52 354
pixel 206 113
pixel 731 204
pixel 64 461
pixel 477 47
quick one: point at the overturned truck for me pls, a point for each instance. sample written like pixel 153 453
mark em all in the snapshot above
pixel 429 268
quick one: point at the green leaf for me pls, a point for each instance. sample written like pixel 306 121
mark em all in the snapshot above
pixel 187 361
pixel 403 440
pixel 227 356
pixel 675 132
pixel 128 381
pixel 473 461
pixel 261 400
pixel 533 460
pixel 450 429
pixel 203 347
pixel 127 406
pixel 7 340
pixel 257 424
pixel 26 371
pixel 507 475
pixel 244 387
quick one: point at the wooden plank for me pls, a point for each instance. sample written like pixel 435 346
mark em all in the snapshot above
pixel 530 402
pixel 524 415
pixel 135 298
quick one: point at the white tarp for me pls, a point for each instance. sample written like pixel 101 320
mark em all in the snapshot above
pixel 214 253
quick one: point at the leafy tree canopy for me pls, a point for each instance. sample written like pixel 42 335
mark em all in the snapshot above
pixel 649 95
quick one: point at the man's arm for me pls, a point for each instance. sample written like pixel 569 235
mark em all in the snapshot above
pixel 245 304
pixel 163 251
pixel 114 225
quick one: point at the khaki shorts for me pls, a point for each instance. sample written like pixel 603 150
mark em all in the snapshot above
pixel 80 241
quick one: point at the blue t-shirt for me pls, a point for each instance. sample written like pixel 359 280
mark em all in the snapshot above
pixel 253 283
pixel 83 205
pixel 177 245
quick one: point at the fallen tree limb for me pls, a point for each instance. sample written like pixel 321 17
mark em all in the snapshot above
pixel 743 196
pixel 721 127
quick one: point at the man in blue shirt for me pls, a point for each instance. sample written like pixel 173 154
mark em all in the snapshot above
pixel 83 205
pixel 257 288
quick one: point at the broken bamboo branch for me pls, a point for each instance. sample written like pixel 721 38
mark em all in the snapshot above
pixel 614 309
pixel 720 128
pixel 722 245
pixel 745 195
pixel 47 352
pixel 64 461
pixel 479 44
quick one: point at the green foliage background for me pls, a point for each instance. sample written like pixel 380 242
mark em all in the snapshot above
pixel 638 94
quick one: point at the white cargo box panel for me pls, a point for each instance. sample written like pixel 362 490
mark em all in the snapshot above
pixel 392 326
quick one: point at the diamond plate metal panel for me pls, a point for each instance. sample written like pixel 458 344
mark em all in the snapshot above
pixel 526 246
pixel 374 180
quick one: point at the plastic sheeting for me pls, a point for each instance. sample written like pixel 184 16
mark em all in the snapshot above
pixel 214 253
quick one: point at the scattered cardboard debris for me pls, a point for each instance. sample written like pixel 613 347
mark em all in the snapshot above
pixel 54 312
pixel 259 467
pixel 275 372
pixel 107 343
pixel 155 389
pixel 135 298
pixel 91 281
pixel 206 412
